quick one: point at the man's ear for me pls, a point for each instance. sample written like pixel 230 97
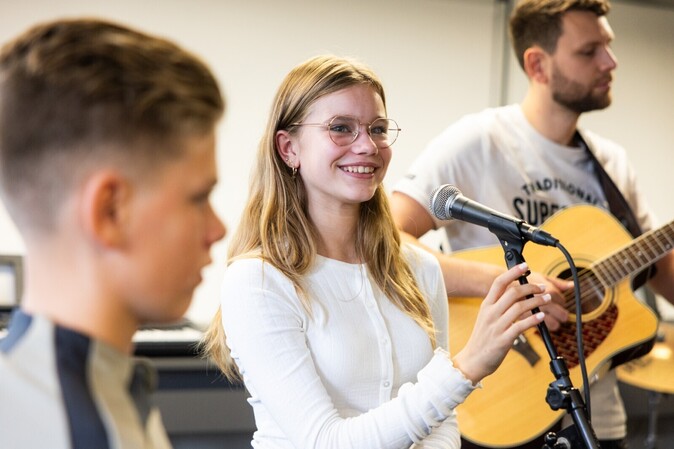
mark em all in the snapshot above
pixel 536 62
pixel 105 206
pixel 285 146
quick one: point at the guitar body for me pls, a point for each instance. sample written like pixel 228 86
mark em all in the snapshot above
pixel 510 409
pixel 653 371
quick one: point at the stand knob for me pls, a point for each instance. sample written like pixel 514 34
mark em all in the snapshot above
pixel 556 397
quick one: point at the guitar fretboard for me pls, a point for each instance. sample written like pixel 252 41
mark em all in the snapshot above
pixel 644 250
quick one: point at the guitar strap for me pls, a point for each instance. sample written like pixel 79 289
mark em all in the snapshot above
pixel 618 206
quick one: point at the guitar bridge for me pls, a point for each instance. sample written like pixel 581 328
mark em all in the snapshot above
pixel 522 347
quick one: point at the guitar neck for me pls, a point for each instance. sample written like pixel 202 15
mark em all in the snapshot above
pixel 641 252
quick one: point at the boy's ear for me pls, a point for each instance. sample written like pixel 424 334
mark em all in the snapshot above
pixel 105 206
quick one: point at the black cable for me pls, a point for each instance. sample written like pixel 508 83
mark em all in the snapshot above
pixel 579 328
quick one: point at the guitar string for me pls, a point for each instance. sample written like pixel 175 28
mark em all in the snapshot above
pixel 586 276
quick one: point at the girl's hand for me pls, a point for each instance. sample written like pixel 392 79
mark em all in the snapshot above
pixel 504 314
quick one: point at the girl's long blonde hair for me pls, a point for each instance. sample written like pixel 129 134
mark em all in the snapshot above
pixel 275 225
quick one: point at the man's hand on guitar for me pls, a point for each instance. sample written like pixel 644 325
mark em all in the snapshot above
pixel 504 314
pixel 555 312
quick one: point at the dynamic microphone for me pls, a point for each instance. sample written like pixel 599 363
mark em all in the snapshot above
pixel 447 202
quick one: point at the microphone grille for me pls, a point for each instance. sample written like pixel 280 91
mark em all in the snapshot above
pixel 439 199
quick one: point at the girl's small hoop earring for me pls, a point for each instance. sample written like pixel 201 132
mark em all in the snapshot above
pixel 293 168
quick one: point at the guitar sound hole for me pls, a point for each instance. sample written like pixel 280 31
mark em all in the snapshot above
pixel 591 291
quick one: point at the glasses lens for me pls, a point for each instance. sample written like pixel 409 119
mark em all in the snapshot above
pixel 384 131
pixel 343 130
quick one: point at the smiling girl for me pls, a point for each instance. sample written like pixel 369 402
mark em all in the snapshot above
pixel 339 331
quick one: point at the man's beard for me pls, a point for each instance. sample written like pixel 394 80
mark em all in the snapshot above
pixel 575 97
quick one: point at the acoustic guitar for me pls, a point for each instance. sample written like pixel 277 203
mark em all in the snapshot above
pixel 510 409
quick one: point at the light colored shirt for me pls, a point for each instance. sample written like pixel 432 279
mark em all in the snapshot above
pixel 495 157
pixel 355 371
pixel 60 389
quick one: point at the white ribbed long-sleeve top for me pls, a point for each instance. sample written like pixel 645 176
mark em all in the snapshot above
pixel 355 372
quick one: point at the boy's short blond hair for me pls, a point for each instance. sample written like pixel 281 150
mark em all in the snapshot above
pixel 80 93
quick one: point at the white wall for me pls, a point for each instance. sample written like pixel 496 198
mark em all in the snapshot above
pixel 438 60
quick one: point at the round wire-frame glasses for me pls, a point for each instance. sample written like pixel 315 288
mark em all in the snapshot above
pixel 345 129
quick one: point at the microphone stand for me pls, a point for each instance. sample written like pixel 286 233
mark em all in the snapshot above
pixel 561 393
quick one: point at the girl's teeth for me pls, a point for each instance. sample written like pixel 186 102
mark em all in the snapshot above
pixel 359 169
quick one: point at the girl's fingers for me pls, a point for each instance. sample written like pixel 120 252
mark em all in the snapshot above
pixel 519 326
pixel 502 282
pixel 514 295
pixel 504 314
pixel 523 308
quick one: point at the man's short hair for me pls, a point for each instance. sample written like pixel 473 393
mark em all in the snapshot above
pixel 77 93
pixel 539 22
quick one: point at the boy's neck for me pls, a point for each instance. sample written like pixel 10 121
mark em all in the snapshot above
pixel 75 298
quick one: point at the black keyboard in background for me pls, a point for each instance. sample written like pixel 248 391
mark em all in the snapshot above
pixel 157 340
pixel 179 339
